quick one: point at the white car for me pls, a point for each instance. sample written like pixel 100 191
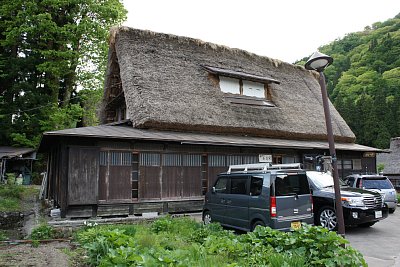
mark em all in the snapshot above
pixel 377 183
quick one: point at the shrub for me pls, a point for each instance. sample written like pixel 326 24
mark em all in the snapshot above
pixel 43 232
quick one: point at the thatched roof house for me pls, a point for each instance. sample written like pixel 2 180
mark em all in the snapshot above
pixel 174 83
pixel 177 112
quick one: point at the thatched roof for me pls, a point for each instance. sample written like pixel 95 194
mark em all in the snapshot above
pixel 164 83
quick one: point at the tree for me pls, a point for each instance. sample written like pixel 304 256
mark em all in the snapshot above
pixel 364 81
pixel 48 50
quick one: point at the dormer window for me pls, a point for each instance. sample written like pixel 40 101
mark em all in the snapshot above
pixel 244 88
pixel 241 87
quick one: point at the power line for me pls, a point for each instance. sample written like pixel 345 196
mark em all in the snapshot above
pixel 49 104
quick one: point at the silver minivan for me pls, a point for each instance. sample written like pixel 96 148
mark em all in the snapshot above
pixel 277 196
pixel 377 183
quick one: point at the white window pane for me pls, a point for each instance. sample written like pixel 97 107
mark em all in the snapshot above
pixel 253 89
pixel 229 85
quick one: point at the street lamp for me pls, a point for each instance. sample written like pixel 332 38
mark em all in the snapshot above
pixel 319 62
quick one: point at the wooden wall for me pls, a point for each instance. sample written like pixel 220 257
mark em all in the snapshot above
pixel 102 175
pixel 83 173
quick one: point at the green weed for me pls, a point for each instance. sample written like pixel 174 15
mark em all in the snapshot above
pixel 184 242
pixel 43 232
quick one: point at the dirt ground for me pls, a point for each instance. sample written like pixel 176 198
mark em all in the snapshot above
pixel 46 254
pixel 50 254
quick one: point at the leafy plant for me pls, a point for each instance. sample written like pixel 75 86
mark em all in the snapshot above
pixel 184 242
pixel 380 167
pixel 43 232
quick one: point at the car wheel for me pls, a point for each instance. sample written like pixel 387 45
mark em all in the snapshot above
pixel 207 218
pixel 391 210
pixel 327 218
pixel 257 223
pixel 369 224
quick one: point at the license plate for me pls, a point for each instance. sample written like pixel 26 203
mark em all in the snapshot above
pixel 378 214
pixel 295 225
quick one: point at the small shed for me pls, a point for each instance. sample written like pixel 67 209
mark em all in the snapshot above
pixel 17 160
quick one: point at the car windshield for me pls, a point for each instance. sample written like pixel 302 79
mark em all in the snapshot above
pixel 376 183
pixel 322 179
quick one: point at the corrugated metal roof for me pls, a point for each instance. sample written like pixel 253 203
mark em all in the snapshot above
pixel 12 152
pixel 128 132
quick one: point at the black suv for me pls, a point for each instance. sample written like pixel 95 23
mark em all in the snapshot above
pixel 360 207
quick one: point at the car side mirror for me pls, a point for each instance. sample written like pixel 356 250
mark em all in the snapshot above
pixel 213 190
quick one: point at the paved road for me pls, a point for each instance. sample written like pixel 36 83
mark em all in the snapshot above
pixel 380 244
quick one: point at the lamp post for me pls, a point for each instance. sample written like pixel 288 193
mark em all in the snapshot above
pixel 319 62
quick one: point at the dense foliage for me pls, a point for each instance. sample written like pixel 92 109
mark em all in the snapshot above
pixel 49 49
pixel 184 242
pixel 364 81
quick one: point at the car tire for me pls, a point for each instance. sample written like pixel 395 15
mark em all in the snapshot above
pixel 326 217
pixel 369 224
pixel 207 219
pixel 391 210
pixel 257 223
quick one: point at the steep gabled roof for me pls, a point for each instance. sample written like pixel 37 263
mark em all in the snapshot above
pixel 163 80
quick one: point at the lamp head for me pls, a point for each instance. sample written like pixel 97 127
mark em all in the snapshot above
pixel 318 61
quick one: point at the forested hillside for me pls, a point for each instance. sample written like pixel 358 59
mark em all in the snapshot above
pixel 364 81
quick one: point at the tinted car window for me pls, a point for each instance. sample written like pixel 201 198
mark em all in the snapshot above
pixel 239 185
pixel 290 184
pixel 378 183
pixel 222 185
pixel 350 181
pixel 256 186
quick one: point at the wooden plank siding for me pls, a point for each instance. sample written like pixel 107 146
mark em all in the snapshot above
pixel 149 182
pixel 83 173
pixel 120 183
pixel 171 182
pixel 103 182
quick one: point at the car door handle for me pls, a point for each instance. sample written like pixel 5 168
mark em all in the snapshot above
pixel 228 201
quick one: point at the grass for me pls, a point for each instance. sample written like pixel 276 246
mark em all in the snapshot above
pixel 17 197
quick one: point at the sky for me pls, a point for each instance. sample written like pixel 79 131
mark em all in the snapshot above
pixel 287 30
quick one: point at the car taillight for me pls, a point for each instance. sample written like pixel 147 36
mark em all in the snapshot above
pixel 273 206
